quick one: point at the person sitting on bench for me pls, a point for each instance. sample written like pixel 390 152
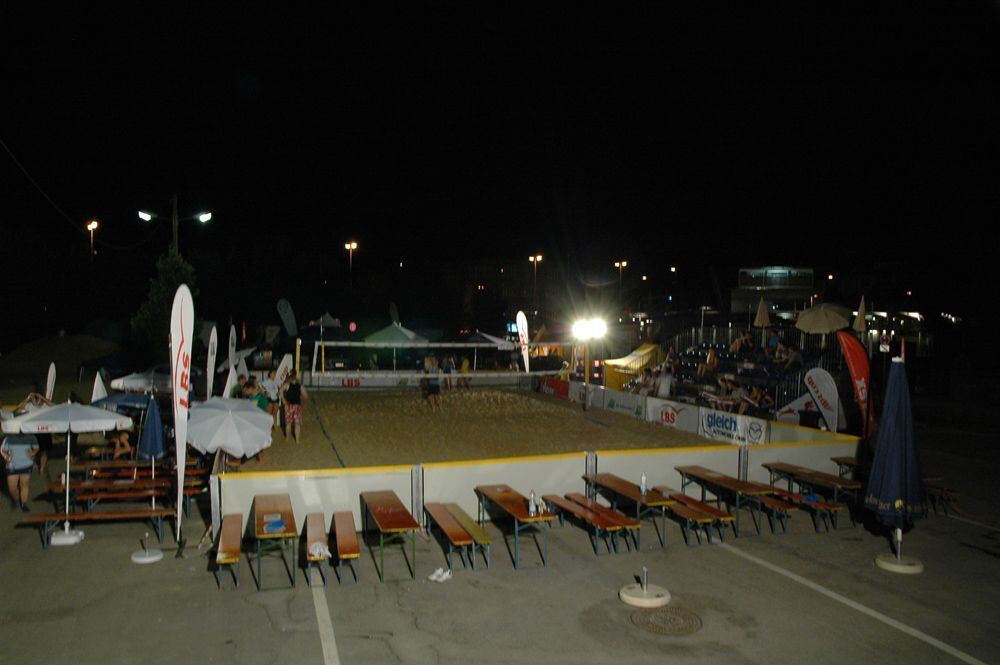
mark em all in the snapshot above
pixel 122 447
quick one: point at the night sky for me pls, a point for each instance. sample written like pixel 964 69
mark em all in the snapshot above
pixel 860 140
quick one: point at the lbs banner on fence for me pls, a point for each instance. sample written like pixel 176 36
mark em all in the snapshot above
pixel 555 387
pixel 672 414
pixel 732 428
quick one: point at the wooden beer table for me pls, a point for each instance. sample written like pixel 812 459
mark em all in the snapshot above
pixel 515 506
pixel 616 488
pixel 718 483
pixel 811 478
pixel 393 521
pixel 274 530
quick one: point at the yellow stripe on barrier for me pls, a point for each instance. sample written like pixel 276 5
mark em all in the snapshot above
pixel 789 444
pixel 315 472
pixel 505 460
pixel 677 449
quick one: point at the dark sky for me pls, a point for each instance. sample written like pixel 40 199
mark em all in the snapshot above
pixel 855 140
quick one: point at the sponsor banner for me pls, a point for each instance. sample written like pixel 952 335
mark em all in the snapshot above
pixel 672 414
pixel 857 365
pixel 580 393
pixel 522 337
pixel 213 349
pixel 181 331
pixel 731 428
pixel 821 386
pixel 626 403
pixel 555 387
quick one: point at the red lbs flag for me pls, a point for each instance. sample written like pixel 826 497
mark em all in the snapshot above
pixel 857 365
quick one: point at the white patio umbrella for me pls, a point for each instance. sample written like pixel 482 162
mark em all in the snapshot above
pixel 235 426
pixel 822 319
pixel 68 419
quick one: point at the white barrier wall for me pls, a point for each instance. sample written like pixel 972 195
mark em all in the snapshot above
pixel 320 490
pixel 810 455
pixel 454 482
pixel 659 465
pixel 672 414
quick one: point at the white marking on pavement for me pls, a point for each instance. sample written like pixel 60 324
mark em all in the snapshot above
pixel 889 621
pixel 330 656
pixel 973 522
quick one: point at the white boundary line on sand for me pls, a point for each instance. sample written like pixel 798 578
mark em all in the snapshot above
pixel 329 642
pixel 889 621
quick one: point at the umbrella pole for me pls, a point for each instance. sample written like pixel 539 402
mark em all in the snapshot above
pixel 69 437
pixel 899 544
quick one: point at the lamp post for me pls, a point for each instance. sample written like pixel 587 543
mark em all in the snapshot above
pixel 203 217
pixel 621 265
pixel 535 260
pixel 585 330
pixel 350 247
pixel 92 226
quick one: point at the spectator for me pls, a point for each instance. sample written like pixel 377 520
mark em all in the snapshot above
pixel 295 396
pixel 18 452
pixel 665 385
pixel 271 387
pixel 794 361
pixel 710 365
pixel 122 446
pixel 432 370
pixel 33 402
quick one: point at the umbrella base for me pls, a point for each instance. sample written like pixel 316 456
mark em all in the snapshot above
pixel 147 556
pixel 67 537
pixel 905 565
pixel 653 596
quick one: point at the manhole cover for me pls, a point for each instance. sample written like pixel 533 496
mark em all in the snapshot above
pixel 667 621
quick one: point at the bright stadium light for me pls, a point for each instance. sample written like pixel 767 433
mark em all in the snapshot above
pixel 587 329
pixel 205 217
pixel 146 216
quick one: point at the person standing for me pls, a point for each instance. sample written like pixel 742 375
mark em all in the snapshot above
pixel 273 390
pixel 295 397
pixel 34 402
pixel 18 452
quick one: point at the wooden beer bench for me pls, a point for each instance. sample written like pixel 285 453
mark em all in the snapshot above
pixel 601 525
pixel 229 547
pixel 49 522
pixel 456 536
pixel 478 533
pixel 629 526
pixel 618 490
pixel 315 535
pixel 723 487
pixel 716 517
pixel 346 538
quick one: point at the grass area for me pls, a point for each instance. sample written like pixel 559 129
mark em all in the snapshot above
pixel 398 427
pixel 24 369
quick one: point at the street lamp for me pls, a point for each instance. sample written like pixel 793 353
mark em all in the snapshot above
pixel 535 260
pixel 350 247
pixel 92 226
pixel 621 265
pixel 202 217
pixel 585 330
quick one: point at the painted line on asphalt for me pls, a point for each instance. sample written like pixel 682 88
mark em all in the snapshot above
pixel 864 609
pixel 326 637
pixel 973 522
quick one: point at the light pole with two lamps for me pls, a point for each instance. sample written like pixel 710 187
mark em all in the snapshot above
pixel 350 247
pixel 203 217
pixel 92 226
pixel 535 260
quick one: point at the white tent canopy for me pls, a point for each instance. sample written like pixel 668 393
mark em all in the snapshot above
pixel 240 356
pixel 395 333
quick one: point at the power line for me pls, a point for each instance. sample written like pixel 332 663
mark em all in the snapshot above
pixel 76 227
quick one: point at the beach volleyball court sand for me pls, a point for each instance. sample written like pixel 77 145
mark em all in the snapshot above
pixel 398 427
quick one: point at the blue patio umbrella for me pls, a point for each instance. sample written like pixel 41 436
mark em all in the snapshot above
pixel 151 445
pixel 895 489
pixel 124 400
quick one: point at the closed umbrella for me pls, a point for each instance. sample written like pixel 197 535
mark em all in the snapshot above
pixel 68 419
pixel 859 321
pixel 151 446
pixel 763 319
pixel 234 426
pixel 894 490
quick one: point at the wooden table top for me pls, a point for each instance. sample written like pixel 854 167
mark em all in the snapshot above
pixel 389 513
pixel 127 464
pixel 818 477
pixel 270 509
pixel 609 481
pixel 721 480
pixel 845 461
pixel 513 503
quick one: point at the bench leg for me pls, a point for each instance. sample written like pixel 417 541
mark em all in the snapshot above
pixel 756 519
